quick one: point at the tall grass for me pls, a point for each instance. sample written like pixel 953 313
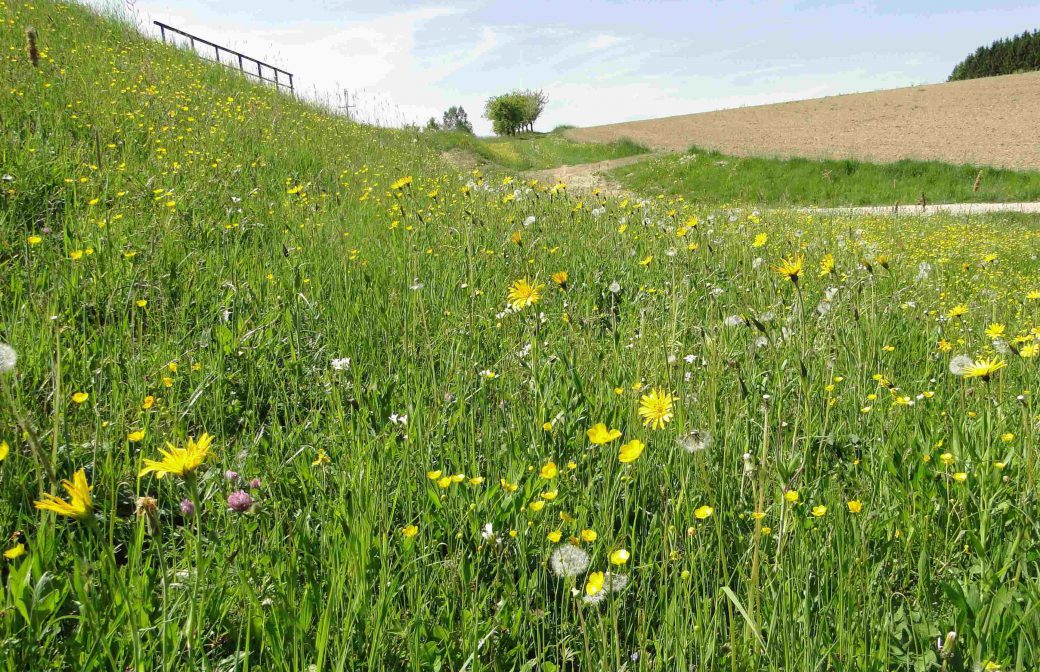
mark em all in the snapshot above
pixel 532 151
pixel 198 254
pixel 711 178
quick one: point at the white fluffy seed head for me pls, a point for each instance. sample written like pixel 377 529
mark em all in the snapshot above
pixel 960 364
pixel 8 358
pixel 569 561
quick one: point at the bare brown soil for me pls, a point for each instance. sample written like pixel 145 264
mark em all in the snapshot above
pixel 993 121
pixel 587 177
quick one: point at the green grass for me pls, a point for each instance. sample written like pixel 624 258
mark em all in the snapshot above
pixel 709 177
pixel 193 251
pixel 532 151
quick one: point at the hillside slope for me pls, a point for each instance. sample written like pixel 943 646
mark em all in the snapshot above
pixel 290 394
pixel 990 121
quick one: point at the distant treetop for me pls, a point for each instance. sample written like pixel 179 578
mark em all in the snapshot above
pixel 1004 57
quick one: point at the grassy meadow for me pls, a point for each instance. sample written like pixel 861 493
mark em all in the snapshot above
pixel 710 178
pixel 531 151
pixel 321 402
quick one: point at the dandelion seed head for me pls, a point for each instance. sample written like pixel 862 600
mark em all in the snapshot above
pixel 569 561
pixel 8 358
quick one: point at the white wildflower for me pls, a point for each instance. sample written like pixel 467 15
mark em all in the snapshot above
pixel 341 364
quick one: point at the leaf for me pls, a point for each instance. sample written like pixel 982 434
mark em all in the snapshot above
pixel 740 607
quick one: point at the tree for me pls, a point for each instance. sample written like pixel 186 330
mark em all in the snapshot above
pixel 455 119
pixel 432 124
pixel 506 113
pixel 1020 53
pixel 515 111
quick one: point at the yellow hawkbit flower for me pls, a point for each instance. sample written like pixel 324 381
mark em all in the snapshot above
pixel 790 268
pixel 80 397
pixel 594 584
pixel 791 496
pixel 656 408
pixel 619 557
pixel 409 531
pixel 79 505
pixel 549 470
pixel 589 536
pixel 855 506
pixel 703 512
pixel 522 293
pixel 984 368
pixel 180 461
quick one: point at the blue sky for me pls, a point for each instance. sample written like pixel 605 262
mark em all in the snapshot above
pixel 599 62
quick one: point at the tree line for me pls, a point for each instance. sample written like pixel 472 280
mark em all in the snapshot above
pixel 1004 57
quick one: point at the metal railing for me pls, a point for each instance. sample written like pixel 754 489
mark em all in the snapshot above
pixel 233 58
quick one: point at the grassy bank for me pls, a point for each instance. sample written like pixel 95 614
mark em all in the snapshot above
pixel 410 375
pixel 532 151
pixel 712 178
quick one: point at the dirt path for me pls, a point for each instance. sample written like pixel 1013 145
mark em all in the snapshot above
pixel 587 177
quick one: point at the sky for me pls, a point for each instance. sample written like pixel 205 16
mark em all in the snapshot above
pixel 598 62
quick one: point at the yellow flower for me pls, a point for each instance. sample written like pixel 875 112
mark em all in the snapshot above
pixel 80 397
pixel 180 461
pixel 4 450
pixel 15 552
pixel 560 278
pixel 401 183
pixel 827 265
pixel 589 535
pixel 599 434
pixel 656 408
pixel 855 506
pixel 549 495
pixel 537 505
pixel 984 368
pixel 619 557
pixel 760 240
pixel 594 583
pixel 79 506
pixel 1029 351
pixel 646 261
pixel 434 475
pixel 555 536
pixel 34 240
pixel 703 512
pixel 135 436
pixel 549 470
pixel 995 330
pixel 960 477
pixel 522 293
pixel 947 459
pixel 631 451
pixel 790 268
pixel 320 459
pixel 149 401
pixel 1007 437
pixel 409 531
pixel 476 480
pixel 819 511
pixel 444 482
pixel 547 426
pixel 791 496
pixel 958 310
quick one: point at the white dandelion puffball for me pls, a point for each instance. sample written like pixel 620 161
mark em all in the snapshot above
pixel 960 364
pixel 341 364
pixel 569 561
pixel 8 358
pixel 695 441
